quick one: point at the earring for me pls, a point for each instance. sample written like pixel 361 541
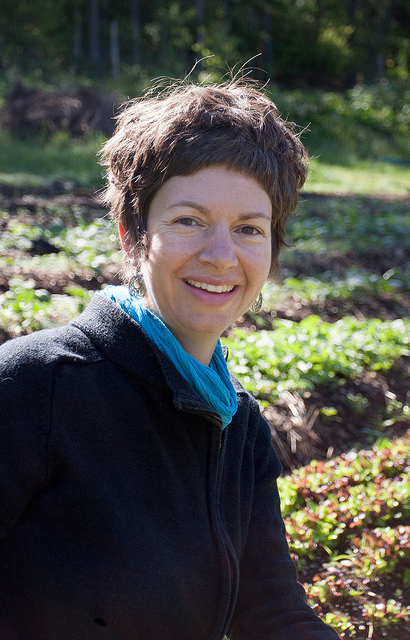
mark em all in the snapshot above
pixel 257 305
pixel 136 286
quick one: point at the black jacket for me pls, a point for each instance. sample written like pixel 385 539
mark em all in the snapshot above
pixel 125 512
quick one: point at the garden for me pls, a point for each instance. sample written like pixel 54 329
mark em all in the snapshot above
pixel 328 357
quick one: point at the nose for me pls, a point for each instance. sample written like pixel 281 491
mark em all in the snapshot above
pixel 219 249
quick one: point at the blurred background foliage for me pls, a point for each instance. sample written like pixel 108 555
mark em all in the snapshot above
pixel 316 43
pixel 338 68
pixel 328 357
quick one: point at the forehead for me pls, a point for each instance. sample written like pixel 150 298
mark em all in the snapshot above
pixel 213 187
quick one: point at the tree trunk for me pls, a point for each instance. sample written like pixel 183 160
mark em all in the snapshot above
pixel 115 49
pixel 77 39
pixel 383 22
pixel 200 19
pixel 267 38
pixel 94 47
pixel 136 30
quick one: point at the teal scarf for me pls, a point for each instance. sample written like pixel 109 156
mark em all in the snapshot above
pixel 211 383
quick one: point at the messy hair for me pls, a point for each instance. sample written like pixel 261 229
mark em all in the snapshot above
pixel 189 127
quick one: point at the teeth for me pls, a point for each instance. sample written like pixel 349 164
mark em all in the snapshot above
pixel 211 287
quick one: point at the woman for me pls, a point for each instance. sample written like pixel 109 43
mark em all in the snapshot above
pixel 138 481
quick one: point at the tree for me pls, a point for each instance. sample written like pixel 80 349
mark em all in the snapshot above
pixel 309 42
pixel 136 31
pixel 93 33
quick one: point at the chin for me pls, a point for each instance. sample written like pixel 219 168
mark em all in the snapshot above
pixel 210 327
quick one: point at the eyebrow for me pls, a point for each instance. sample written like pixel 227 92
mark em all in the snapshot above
pixel 195 205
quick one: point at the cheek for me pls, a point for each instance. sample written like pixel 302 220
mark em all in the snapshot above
pixel 155 254
pixel 163 258
pixel 259 264
pixel 170 251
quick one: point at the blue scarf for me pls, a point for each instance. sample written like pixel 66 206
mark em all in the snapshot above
pixel 211 383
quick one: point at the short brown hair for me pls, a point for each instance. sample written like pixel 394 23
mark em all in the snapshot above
pixel 189 127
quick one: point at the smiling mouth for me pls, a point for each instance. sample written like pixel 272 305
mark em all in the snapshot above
pixel 222 288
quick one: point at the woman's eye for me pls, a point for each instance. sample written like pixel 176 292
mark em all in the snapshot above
pixel 250 231
pixel 186 221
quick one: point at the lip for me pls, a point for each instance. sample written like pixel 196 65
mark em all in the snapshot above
pixel 212 298
pixel 211 287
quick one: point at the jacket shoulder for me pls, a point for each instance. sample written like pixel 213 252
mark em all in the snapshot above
pixel 27 357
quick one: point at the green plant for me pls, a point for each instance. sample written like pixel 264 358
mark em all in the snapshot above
pixel 24 309
pixel 35 161
pixel 299 356
pixel 368 121
pixel 348 517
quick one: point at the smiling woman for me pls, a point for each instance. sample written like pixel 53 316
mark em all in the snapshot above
pixel 209 254
pixel 138 483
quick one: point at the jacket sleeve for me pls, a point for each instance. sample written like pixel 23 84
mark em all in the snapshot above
pixel 24 422
pixel 271 603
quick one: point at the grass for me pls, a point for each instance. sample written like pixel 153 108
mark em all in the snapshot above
pixel 347 518
pixel 362 177
pixel 34 162
pixel 350 137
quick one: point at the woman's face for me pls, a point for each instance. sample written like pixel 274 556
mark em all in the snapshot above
pixel 209 239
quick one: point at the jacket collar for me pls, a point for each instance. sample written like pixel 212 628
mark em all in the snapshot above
pixel 122 341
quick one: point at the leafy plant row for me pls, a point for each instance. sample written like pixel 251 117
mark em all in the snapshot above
pixel 84 243
pixel 297 356
pixel 356 285
pixel 348 529
pixel 24 308
pixel 355 225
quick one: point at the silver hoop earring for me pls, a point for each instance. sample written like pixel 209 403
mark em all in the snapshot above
pixel 257 305
pixel 136 286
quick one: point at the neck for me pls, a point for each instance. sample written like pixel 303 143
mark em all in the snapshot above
pixel 198 346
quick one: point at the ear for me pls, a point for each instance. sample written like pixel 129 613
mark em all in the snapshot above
pixel 125 242
pixel 128 245
pixel 121 231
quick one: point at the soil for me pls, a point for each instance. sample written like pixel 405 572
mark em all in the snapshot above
pixel 371 592
pixel 300 432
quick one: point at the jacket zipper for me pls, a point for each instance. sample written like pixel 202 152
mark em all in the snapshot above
pixel 230 584
pixel 230 570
